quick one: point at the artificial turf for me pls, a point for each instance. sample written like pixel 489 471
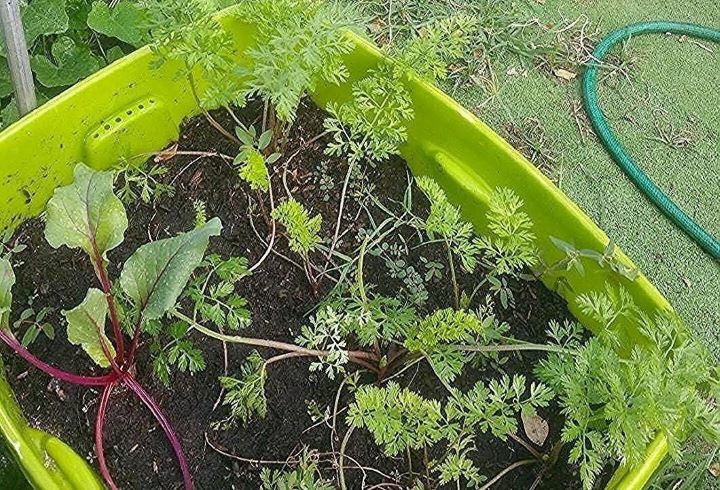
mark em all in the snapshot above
pixel 665 109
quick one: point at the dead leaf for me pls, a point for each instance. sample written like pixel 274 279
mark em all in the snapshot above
pixel 166 154
pixel 536 428
pixel 715 470
pixel 564 74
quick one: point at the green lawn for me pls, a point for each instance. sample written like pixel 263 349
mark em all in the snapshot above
pixel 672 93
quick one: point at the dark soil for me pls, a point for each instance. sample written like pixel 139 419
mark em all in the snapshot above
pixel 280 299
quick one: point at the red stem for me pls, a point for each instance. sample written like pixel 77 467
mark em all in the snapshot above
pixel 106 285
pixel 165 424
pixel 99 424
pixel 135 340
pixel 53 371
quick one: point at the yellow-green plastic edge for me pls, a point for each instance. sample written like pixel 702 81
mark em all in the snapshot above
pixel 129 110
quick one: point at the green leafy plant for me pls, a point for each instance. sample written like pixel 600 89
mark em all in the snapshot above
pixel 143 183
pixel 87 215
pixel 251 161
pixel 246 396
pixel 305 477
pixel 298 45
pixel 187 32
pixel 615 405
pixel 400 419
pixel 372 125
pixel 303 231
pixel 446 223
pixel 509 247
pixel 35 323
pixel 438 43
pixel 608 258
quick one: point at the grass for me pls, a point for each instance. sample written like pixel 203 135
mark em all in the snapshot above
pixel 662 102
pixel 667 115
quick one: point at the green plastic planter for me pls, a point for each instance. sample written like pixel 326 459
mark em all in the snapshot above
pixel 128 110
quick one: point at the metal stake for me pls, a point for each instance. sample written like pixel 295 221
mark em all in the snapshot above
pixel 17 56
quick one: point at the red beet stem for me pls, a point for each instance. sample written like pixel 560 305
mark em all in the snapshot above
pixel 51 370
pixel 99 424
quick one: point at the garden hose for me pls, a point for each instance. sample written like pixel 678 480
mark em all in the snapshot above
pixel 589 86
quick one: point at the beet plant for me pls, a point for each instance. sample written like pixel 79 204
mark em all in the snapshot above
pixel 87 215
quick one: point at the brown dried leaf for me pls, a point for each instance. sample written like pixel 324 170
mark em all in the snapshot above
pixel 166 154
pixel 536 428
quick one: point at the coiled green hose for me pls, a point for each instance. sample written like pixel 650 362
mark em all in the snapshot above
pixel 589 85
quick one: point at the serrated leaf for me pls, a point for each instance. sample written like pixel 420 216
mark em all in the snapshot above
pixel 41 17
pixel 86 326
pixel 7 281
pixel 126 21
pixel 86 214
pixel 156 274
pixel 71 63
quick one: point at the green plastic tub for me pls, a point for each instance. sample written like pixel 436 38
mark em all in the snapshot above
pixel 129 109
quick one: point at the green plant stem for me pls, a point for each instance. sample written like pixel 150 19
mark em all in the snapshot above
pixel 507 470
pixel 341 462
pixel 273 231
pixel 538 455
pixel 453 276
pixel 426 462
pixel 282 357
pixel 516 347
pixel 362 358
pixel 106 284
pixel 211 120
pixel 343 196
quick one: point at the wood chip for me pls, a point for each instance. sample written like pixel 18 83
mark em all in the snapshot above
pixel 536 428
pixel 565 74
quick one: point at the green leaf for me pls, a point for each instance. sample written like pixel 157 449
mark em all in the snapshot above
pixel 126 21
pixel 113 54
pixel 6 86
pixel 9 114
pixel 7 281
pixel 77 11
pixel 86 214
pixel 30 336
pixel 42 17
pixel 86 326
pixel 71 63
pixel 156 274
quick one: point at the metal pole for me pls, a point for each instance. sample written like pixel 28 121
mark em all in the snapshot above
pixel 17 55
